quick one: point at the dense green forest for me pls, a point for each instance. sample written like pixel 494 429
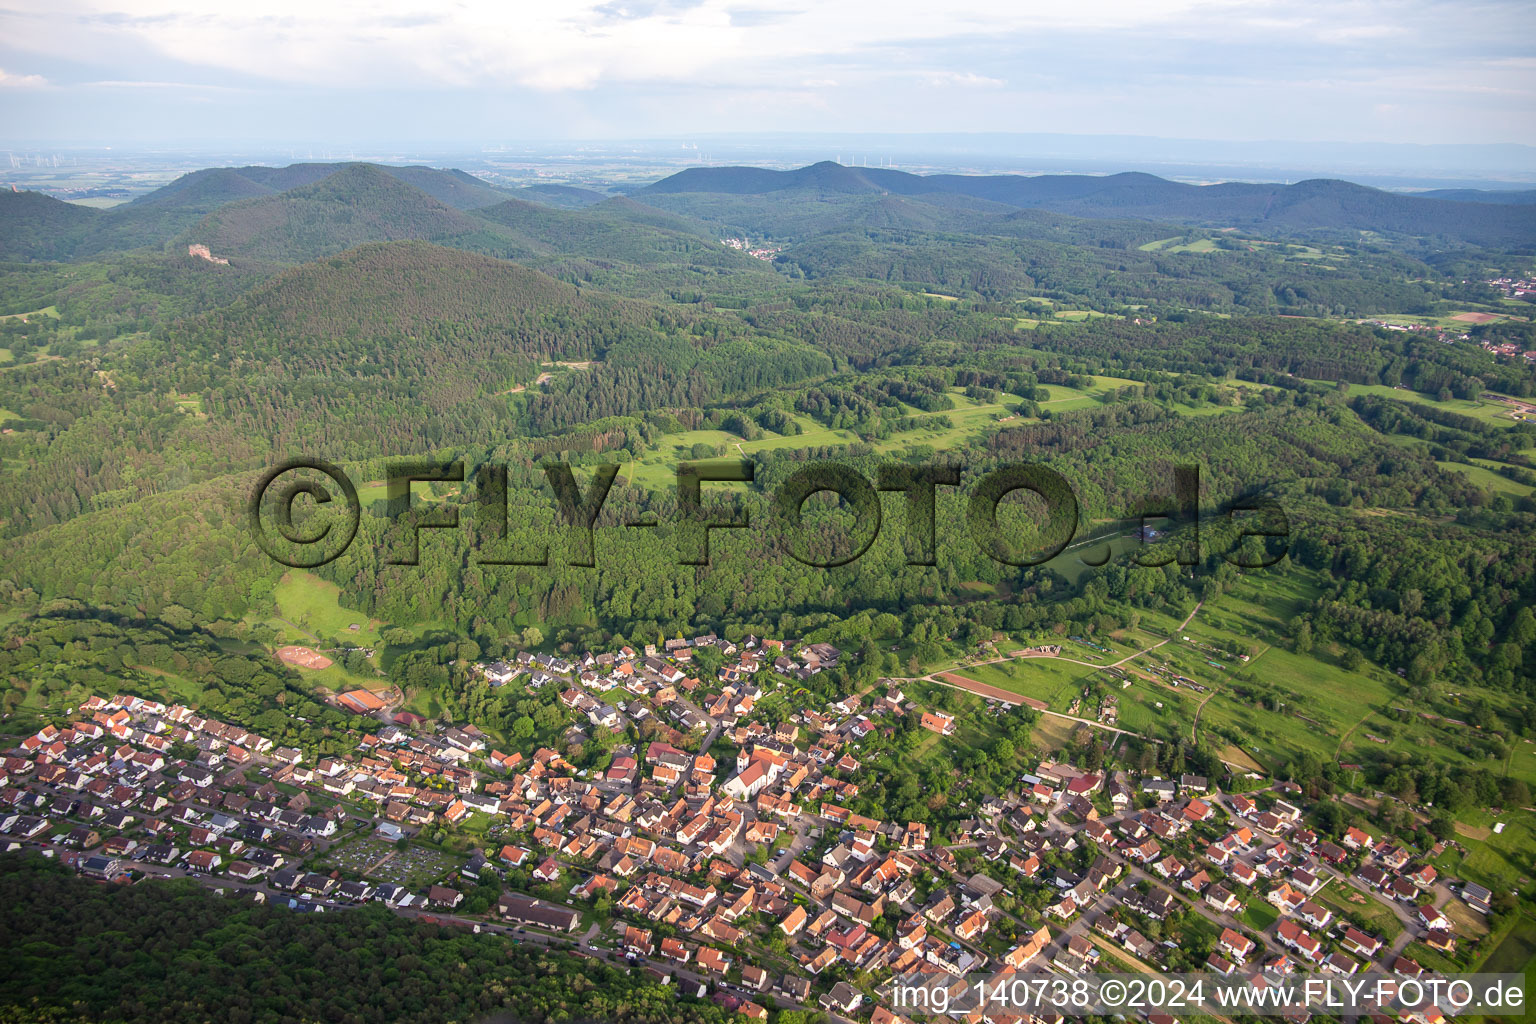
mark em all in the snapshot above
pixel 369 314
pixel 1303 346
pixel 170 952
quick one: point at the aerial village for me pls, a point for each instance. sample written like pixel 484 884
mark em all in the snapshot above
pixel 745 879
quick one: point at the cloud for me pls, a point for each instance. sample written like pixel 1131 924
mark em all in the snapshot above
pixel 961 79
pixel 130 84
pixel 574 44
pixel 1201 67
pixel 13 81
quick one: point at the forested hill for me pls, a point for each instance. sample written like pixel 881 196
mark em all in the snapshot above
pixel 35 226
pixel 564 196
pixel 289 214
pixel 215 186
pixel 388 344
pixel 392 295
pixel 359 203
pixel 1310 206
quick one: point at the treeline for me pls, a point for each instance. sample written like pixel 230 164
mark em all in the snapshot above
pixel 171 952
pixel 1271 350
pixel 1239 278
pixel 63 657
pixel 1428 600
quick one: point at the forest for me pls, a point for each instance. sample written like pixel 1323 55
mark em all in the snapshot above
pixel 370 314
pixel 173 952
pixel 1308 348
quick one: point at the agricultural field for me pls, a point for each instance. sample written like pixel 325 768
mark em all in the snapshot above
pixel 1083 314
pixel 968 419
pixel 1051 733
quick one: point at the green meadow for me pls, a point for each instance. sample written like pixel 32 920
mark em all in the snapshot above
pixel 1177 244
pixel 1487 411
pixel 304 600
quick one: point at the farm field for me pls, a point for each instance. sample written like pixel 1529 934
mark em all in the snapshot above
pixel 1083 314
pixel 1052 733
pixel 969 418
pixel 657 468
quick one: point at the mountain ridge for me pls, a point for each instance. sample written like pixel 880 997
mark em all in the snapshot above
pixel 1314 205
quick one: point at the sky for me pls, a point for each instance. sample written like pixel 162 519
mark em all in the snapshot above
pixel 174 71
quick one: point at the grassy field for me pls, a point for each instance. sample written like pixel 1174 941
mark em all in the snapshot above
pixel 1177 244
pixel 192 404
pixel 378 490
pixel 1259 915
pixel 1495 413
pixel 1516 953
pixel 1379 919
pixel 1051 733
pixel 1325 708
pixel 1484 477
pixel 1055 682
pixel 1083 314
pixel 313 605
pixel 1493 465
pixel 51 312
pixel 969 418
pixel 1499 861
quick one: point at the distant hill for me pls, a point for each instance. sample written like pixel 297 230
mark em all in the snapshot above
pixel 215 186
pixel 35 226
pixel 614 229
pixel 356 204
pixel 259 212
pixel 803 213
pixel 205 190
pixel 566 197
pixel 624 246
pixel 1306 207
pixel 1503 197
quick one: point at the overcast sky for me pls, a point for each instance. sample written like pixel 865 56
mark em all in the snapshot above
pixel 134 71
